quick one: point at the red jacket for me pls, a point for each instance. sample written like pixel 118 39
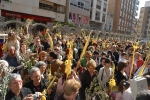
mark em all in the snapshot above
pixel 139 63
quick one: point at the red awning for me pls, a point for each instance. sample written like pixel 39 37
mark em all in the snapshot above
pixel 22 15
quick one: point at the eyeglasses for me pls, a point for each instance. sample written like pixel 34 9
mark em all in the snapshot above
pixel 17 82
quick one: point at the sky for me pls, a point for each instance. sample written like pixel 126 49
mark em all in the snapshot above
pixel 142 3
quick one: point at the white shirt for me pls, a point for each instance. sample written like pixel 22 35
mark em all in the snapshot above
pixel 105 77
pixel 127 95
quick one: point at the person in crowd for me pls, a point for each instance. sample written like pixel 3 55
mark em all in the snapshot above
pixel 57 50
pixel 55 63
pixel 143 95
pixel 123 57
pixel 42 66
pixel 105 73
pixel 130 44
pixel 101 65
pixel 36 84
pixel 110 56
pixel 71 88
pixel 46 44
pixel 84 60
pixel 115 53
pixel 86 77
pixel 146 69
pixel 16 91
pixel 120 53
pixel 43 56
pixel 3 69
pixel 62 79
pixel 12 41
pixel 13 59
pixel 129 65
pixel 24 53
pixel 74 63
pixel 37 46
pixel 120 74
pixel 138 60
pixel 124 85
pixel 96 57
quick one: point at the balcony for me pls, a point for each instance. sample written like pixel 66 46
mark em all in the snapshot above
pixel 60 2
pixel 97 18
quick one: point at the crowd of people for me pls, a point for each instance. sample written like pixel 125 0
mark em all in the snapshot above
pixel 28 82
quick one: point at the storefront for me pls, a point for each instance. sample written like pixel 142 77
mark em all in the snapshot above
pixel 6 13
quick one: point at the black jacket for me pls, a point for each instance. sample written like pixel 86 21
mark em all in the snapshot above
pixel 85 79
pixel 119 77
pixel 33 88
pixel 23 93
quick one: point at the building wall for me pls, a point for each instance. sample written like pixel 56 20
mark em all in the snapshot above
pixel 32 7
pixel 124 15
pixel 79 11
pixel 109 22
pixel 98 14
pixel 144 21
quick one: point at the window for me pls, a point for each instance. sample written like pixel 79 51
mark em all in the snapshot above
pixel 74 2
pixel 97 16
pixel 87 6
pixel 98 6
pixel 105 6
pixel 103 18
pixel 80 5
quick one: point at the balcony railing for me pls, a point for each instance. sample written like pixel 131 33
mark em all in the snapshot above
pixel 49 8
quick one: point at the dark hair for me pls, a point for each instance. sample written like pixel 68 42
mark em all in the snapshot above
pixel 130 55
pixel 143 95
pixel 109 52
pixel 102 59
pixel 122 84
pixel 121 65
pixel 121 50
pixel 95 53
pixel 107 60
pixel 103 53
pixel 54 55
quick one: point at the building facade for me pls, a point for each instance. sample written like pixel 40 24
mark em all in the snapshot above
pixel 79 12
pixel 38 10
pixel 98 14
pixel 144 20
pixel 125 12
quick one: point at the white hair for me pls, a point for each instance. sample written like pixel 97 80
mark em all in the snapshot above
pixel 32 70
pixel 3 65
pixel 40 63
pixel 14 76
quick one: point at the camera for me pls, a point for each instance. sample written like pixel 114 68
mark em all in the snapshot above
pixel 35 96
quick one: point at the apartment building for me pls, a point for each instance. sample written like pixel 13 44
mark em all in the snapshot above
pixel 125 12
pixel 98 14
pixel 79 12
pixel 144 20
pixel 38 10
